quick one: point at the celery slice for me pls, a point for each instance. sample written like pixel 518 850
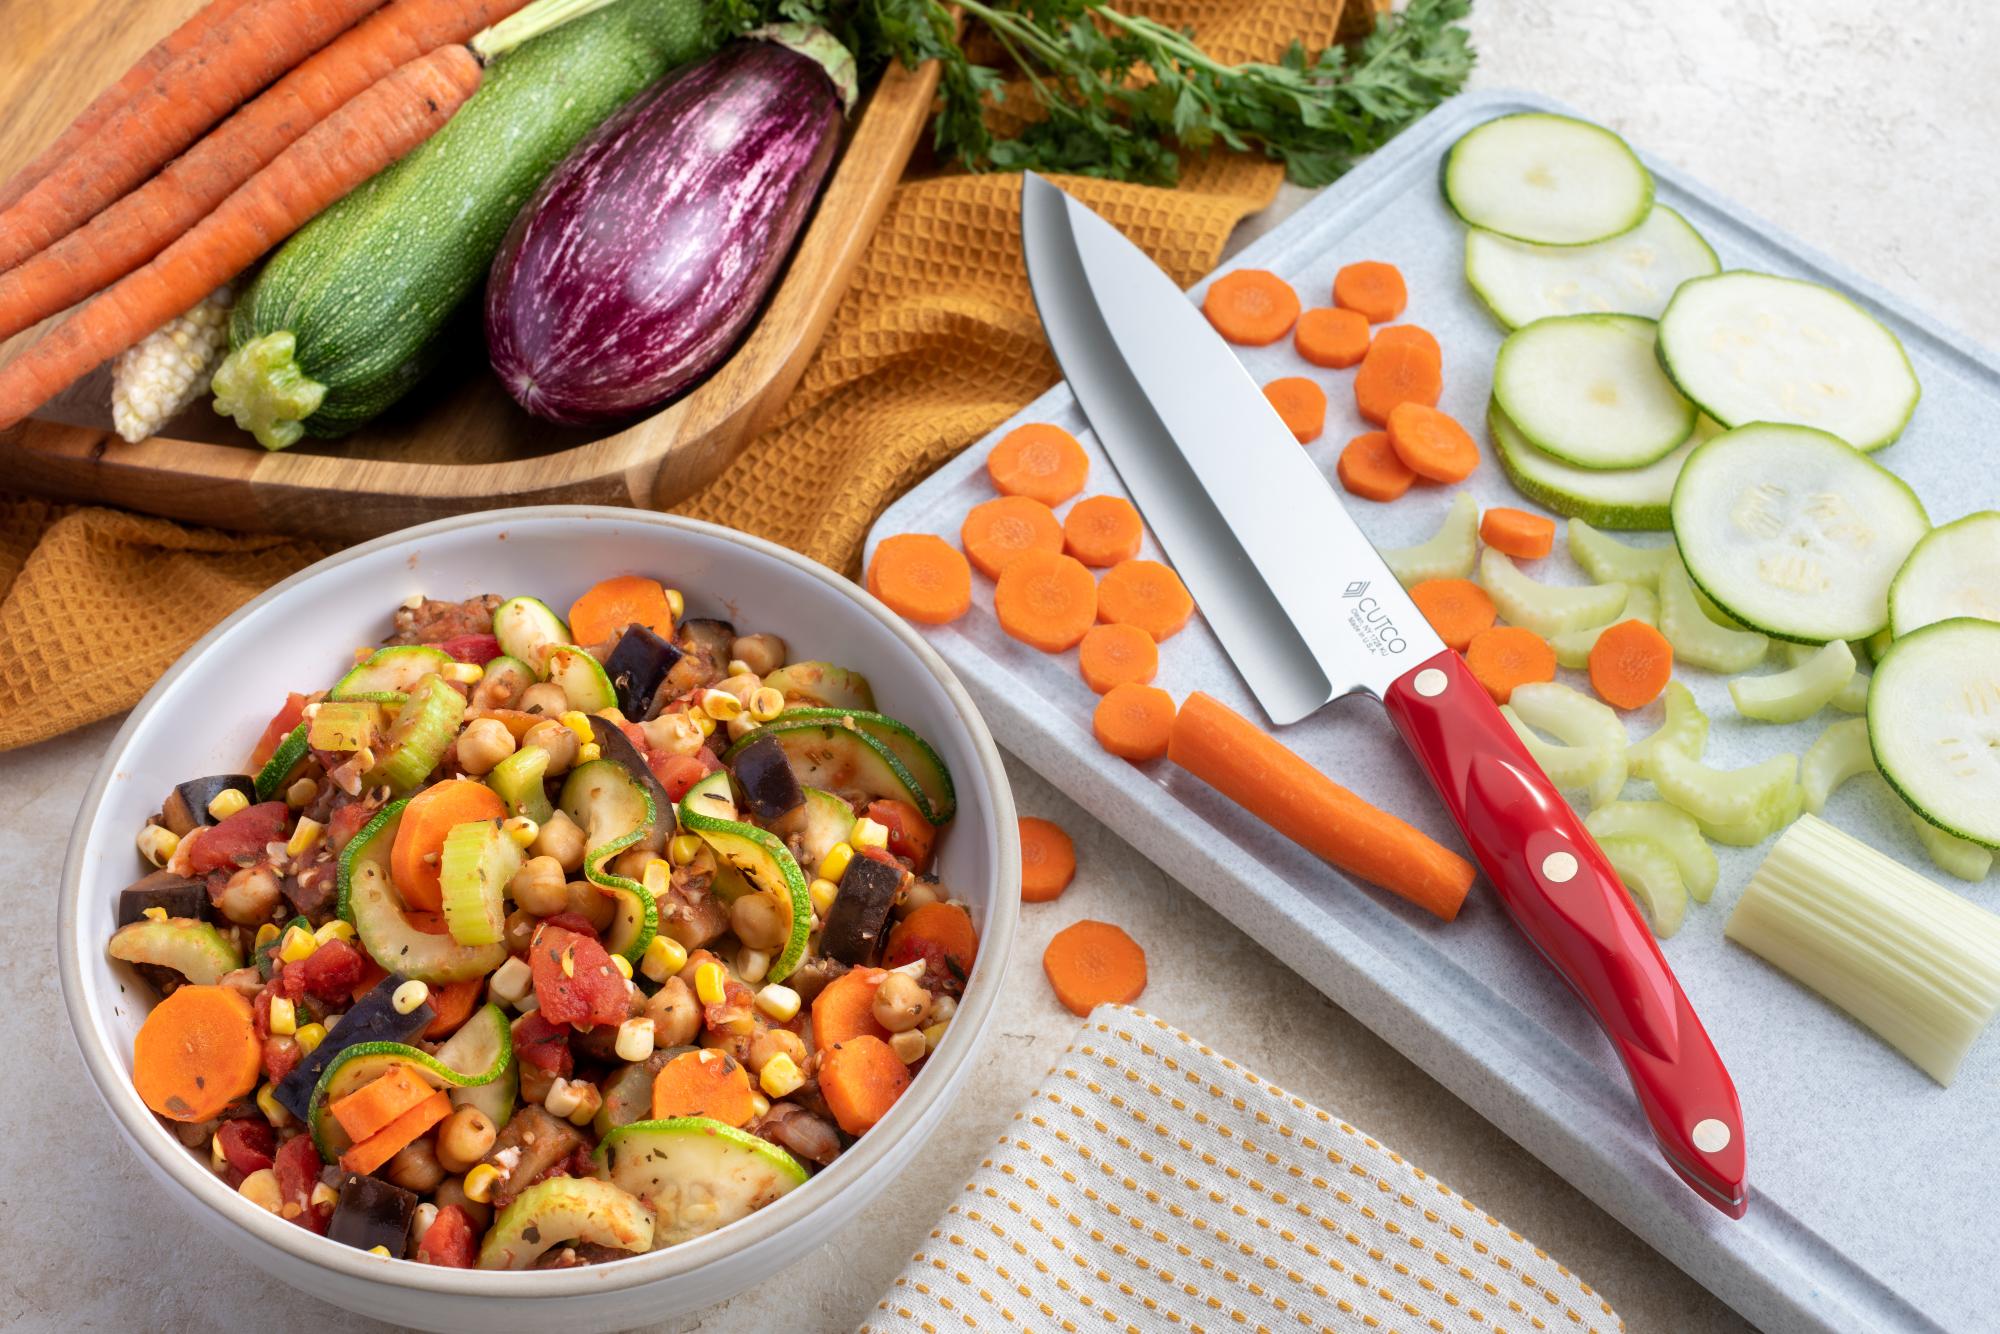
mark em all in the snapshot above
pixel 1778 810
pixel 1573 648
pixel 1850 698
pixel 1608 561
pixel 1651 879
pixel 1723 798
pixel 419 736
pixel 1950 853
pixel 1841 752
pixel 1578 720
pixel 1685 730
pixel 1448 553
pixel 1798 692
pixel 1673 829
pixel 1545 608
pixel 1571 768
pixel 1699 641
pixel 1913 962
pixel 478 863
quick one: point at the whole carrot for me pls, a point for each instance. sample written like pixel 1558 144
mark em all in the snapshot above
pixel 146 221
pixel 364 136
pixel 188 37
pixel 186 95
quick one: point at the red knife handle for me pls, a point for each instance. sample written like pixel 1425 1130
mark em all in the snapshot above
pixel 1564 896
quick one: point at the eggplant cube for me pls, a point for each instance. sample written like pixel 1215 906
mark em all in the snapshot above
pixel 770 788
pixel 374 1018
pixel 372 1212
pixel 186 807
pixel 163 889
pixel 638 663
pixel 859 918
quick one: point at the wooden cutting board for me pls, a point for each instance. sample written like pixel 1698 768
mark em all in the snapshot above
pixel 458 443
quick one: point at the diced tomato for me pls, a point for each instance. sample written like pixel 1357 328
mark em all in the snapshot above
pixel 247 1144
pixel 371 973
pixel 737 1004
pixel 542 1044
pixel 346 822
pixel 298 1167
pixel 448 1240
pixel 572 921
pixel 281 724
pixel 239 840
pixel 332 971
pixel 280 1055
pixel 678 773
pixel 910 834
pixel 478 649
pixel 575 982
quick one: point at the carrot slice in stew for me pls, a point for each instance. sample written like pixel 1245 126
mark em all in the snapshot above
pixel 922 577
pixel 603 612
pixel 861 1079
pixel 196 1053
pixel 1046 599
pixel 941 934
pixel 845 1008
pixel 1251 306
pixel 704 1083
pixel 1102 530
pixel 1094 963
pixel 420 834
pixel 1112 655
pixel 1038 460
pixel 1147 594
pixel 379 1101
pixel 368 1155
pixel 1048 860
pixel 996 531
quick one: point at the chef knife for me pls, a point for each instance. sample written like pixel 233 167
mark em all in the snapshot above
pixel 1307 611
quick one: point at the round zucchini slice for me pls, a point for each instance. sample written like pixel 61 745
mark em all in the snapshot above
pixel 1632 274
pixel 1934 723
pixel 757 855
pixel 564 1209
pixel 1588 390
pixel 1552 180
pixel 696 1174
pixel 1624 500
pixel 1952 571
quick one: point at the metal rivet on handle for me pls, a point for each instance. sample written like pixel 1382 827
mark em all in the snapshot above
pixel 1711 1136
pixel 1559 868
pixel 1429 682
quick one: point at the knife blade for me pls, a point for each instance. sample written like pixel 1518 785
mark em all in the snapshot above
pixel 1307 611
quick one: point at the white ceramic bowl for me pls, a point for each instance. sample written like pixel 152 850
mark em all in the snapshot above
pixel 205 714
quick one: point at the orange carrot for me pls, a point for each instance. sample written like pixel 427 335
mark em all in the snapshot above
pixel 1133 722
pixel 1630 665
pixel 1251 306
pixel 190 36
pixel 1112 655
pixel 379 1101
pixel 1147 594
pixel 1506 656
pixel 1431 443
pixel 1252 768
pixel 453 1003
pixel 1411 335
pixel 1039 461
pixel 1301 404
pixel 1393 372
pixel 1369 468
pixel 704 1083
pixel 1102 530
pixel 137 227
pixel 196 1053
pixel 1457 609
pixel 861 1080
pixel 607 607
pixel 370 132
pixel 420 834
pixel 188 94
pixel 1517 533
pixel 1046 599
pixel 940 933
pixel 1374 289
pixel 1094 963
pixel 845 1008
pixel 922 577
pixel 996 531
pixel 371 1153
pixel 1048 860
pixel 1331 337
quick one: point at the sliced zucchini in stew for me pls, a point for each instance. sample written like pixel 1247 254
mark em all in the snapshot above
pixel 283 760
pixel 565 1209
pixel 529 631
pixel 820 821
pixel 615 811
pixel 758 855
pixel 365 1062
pixel 372 843
pixel 695 1174
pixel 192 948
pixel 389 674
pixel 399 945
pixel 582 679
pixel 839 749
pixel 821 685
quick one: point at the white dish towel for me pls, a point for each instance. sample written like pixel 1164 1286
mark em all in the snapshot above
pixel 1152 1184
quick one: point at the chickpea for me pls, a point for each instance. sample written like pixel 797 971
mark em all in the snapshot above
pixel 544 698
pixel 518 932
pixel 901 1003
pixel 757 922
pixel 540 887
pixel 560 838
pixel 452 1191
pixel 774 1042
pixel 916 893
pixel 742 687
pixel 673 733
pixel 464 1138
pixel 632 862
pixel 675 1015
pixel 415 1167
pixel 484 743
pixel 591 903
pixel 762 654
pixel 250 897
pixel 557 740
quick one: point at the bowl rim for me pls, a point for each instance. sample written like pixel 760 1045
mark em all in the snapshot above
pixel 205 1190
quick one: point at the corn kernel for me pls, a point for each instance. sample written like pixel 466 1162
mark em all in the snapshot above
pixel 909 1046
pixel 156 914
pixel 309 1036
pixel 333 930
pixel 465 673
pixel 561 1098
pixel 684 848
pixel 284 1016
pixel 933 1034
pixel 779 1002
pixel 759 1104
pixel 738 667
pixel 261 1189
pixel 479 1182
pixel 751 965
pixel 635 1039
pixel 304 837
pixel 781 1075
pixel 676 604
pixel 720 705
pixel 708 983
pixel 766 703
pixel 227 802
pixel 664 958
pixel 868 833
pixel 273 1110
pixel 301 793
pixel 656 878
pixel 521 829
pixel 623 965
pixel 589 754
pixel 217 1159
pixel 324 1196
pixel 265 935
pixel 577 721
pixel 702 722
pixel 569 963
pixel 157 844
pixel 296 944
pixel 510 981
pixel 425 1216
pixel 834 864
pixel 410 996
pixel 822 892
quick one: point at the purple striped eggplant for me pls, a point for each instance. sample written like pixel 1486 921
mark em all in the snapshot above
pixel 639 262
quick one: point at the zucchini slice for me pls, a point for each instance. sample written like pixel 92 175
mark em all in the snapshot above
pixel 826 753
pixel 1697 640
pixel 1449 553
pixel 283 760
pixel 1550 179
pixel 757 855
pixel 564 1209
pixel 1841 752
pixel 1951 571
pixel 388 675
pixel 1800 691
pixel 696 1174
pixel 582 678
pixel 192 948
pixel 420 735
pixel 821 685
pixel 1628 499
pixel 1685 730
pixel 818 822
pixel 1934 721
pixel 456 1069
pixel 1673 830
pixel 1608 561
pixel 1573 646
pixel 1588 390
pixel 1577 720
pixel 1634 273
pixel 615 811
pixel 1651 878
pixel 1953 855
pixel 529 631
pixel 483 1051
pixel 398 946
pixel 371 843
pixel 1547 609
pixel 936 798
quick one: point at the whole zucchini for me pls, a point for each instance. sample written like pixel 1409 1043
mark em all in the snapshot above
pixel 349 314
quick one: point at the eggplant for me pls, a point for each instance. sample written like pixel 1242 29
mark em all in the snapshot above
pixel 859 918
pixel 643 257
pixel 372 1212
pixel 180 896
pixel 372 1019
pixel 186 807
pixel 614 745
pixel 638 663
pixel 770 788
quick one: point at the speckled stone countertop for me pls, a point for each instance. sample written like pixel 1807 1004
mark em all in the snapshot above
pixel 1867 130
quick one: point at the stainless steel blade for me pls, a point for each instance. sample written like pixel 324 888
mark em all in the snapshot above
pixel 1301 601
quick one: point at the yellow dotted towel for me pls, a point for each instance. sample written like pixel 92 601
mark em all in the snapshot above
pixel 1152 1184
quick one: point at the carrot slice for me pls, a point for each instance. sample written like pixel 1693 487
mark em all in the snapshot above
pixel 1369 468
pixel 1457 609
pixel 1039 461
pixel 1507 656
pixel 1133 722
pixel 420 834
pixel 861 1080
pixel 1431 443
pixel 845 1008
pixel 1252 768
pixel 709 1083
pixel 922 577
pixel 196 1053
pixel 941 933
pixel 379 1101
pixel 1094 963
pixel 1046 599
pixel 1102 530
pixel 1331 337
pixel 604 611
pixel 399 1134
pixel 1393 372
pixel 996 531
pixel 1147 594
pixel 1302 405
pixel 1048 860
pixel 1630 665
pixel 1251 306
pixel 1373 288
pixel 454 1003
pixel 1517 533
pixel 1112 655
pixel 1410 335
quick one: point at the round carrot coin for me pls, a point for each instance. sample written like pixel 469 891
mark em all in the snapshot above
pixel 996 531
pixel 1431 444
pixel 1331 337
pixel 1038 460
pixel 1048 860
pixel 1094 963
pixel 1046 599
pixel 1116 655
pixel 922 577
pixel 1374 289
pixel 1301 403
pixel 1507 656
pixel 1251 306
pixel 1369 468
pixel 1147 594
pixel 1134 722
pixel 1102 530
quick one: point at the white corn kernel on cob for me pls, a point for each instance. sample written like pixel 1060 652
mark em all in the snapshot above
pixel 170 367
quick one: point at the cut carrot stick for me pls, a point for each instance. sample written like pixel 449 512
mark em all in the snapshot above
pixel 137 227
pixel 939 933
pixel 420 834
pixel 1431 443
pixel 1506 656
pixel 845 1008
pixel 196 1053
pixel 1369 468
pixel 1302 405
pixel 453 1004
pixel 1113 655
pixel 370 132
pixel 1252 768
pixel 1102 530
pixel 1411 335
pixel 1133 722
pixel 922 577
pixel 1457 609
pixel 371 1153
pixel 1046 599
pixel 607 607
pixel 1373 288
pixel 704 1083
pixel 861 1079
pixel 379 1101
pixel 1147 594
pixel 1630 664
pixel 1331 337
pixel 1396 372
pixel 1094 963
pixel 996 531
pixel 1517 533
pixel 1251 306
pixel 191 92
pixel 1039 461
pixel 190 36
pixel 1048 860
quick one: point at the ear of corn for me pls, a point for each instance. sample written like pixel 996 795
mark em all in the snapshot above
pixel 169 368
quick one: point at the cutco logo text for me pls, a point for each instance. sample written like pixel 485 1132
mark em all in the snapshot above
pixel 1371 623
